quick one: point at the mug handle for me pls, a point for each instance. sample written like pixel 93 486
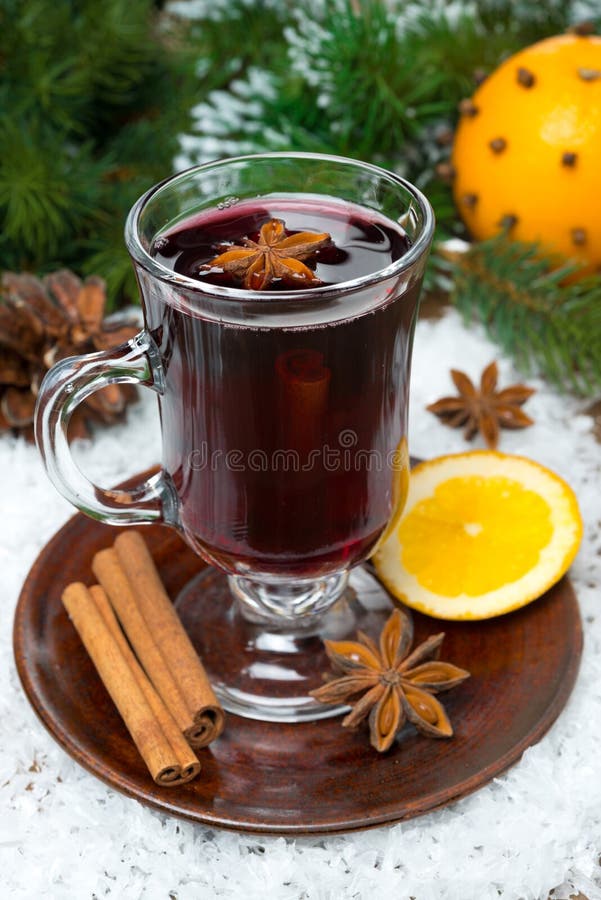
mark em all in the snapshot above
pixel 64 387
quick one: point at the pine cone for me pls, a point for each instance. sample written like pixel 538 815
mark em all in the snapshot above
pixel 43 321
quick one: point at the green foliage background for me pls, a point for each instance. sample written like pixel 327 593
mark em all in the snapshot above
pixel 88 121
pixel 98 101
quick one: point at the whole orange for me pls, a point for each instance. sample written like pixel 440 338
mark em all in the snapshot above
pixel 527 151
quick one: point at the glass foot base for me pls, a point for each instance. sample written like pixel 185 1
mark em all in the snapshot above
pixel 262 671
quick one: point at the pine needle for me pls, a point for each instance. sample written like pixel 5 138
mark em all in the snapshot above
pixel 534 310
pixel 93 97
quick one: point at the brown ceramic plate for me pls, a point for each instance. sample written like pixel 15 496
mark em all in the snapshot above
pixel 309 778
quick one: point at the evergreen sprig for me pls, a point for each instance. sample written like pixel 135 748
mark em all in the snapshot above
pixel 534 310
pixel 93 97
pixel 235 35
pixel 374 94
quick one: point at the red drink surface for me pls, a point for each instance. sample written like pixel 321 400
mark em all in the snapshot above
pixel 359 246
pixel 279 440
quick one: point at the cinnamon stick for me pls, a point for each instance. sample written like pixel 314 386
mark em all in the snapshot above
pixel 171 639
pixel 304 384
pixel 187 760
pixel 124 689
pixel 109 572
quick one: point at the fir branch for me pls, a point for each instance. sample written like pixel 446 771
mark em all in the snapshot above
pixel 535 310
pixel 43 194
pixel 524 22
pixel 232 36
pixel 371 89
pixel 93 97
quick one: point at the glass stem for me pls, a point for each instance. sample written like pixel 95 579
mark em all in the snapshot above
pixel 283 603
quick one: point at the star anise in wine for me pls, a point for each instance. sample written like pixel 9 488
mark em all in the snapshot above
pixel 257 263
pixel 484 409
pixel 398 685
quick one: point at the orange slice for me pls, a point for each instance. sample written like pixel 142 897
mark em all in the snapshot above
pixel 482 534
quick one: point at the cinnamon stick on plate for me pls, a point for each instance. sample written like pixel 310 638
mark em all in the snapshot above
pixel 169 763
pixel 170 636
pixel 186 758
pixel 132 582
pixel 108 571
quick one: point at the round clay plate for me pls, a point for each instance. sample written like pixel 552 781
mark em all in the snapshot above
pixel 307 778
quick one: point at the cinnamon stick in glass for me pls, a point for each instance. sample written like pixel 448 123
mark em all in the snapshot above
pixel 206 716
pixel 304 384
pixel 129 697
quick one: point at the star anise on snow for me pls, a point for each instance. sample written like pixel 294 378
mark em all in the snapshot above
pixel 483 409
pixel 257 263
pixel 398 685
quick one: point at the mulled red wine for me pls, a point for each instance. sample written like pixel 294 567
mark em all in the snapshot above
pixel 358 246
pixel 296 432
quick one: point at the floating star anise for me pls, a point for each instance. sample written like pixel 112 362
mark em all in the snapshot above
pixel 274 255
pixel 486 409
pixel 398 685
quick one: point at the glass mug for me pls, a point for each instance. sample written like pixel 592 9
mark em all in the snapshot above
pixel 283 418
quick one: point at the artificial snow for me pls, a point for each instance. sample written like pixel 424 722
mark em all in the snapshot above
pixel 66 836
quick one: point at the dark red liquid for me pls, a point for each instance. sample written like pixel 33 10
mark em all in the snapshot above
pixel 279 441
pixel 359 245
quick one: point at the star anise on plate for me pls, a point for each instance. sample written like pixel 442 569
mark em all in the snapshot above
pixel 396 686
pixel 484 409
pixel 257 263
